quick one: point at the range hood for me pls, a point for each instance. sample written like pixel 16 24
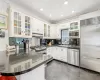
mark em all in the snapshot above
pixel 38 35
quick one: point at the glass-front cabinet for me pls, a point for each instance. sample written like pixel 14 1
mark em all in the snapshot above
pixel 27 26
pixel 19 24
pixel 46 31
pixel 74 26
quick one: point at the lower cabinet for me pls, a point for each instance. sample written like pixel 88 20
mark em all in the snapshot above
pixel 90 63
pixel 70 56
pixel 35 74
pixel 21 66
pixel 59 53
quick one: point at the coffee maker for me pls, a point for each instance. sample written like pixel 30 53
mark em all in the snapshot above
pixel 25 45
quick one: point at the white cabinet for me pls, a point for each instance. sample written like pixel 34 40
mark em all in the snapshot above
pixel 47 31
pixel 59 53
pixel 51 31
pixel 21 66
pixel 35 74
pixel 90 63
pixel 19 24
pixel 51 51
pixel 38 26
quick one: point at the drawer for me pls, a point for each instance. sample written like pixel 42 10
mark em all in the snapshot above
pixel 90 64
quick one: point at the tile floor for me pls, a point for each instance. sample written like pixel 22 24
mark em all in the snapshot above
pixel 56 70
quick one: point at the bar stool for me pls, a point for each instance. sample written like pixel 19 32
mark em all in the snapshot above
pixel 8 78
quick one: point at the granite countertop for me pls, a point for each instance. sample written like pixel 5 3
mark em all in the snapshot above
pixel 35 60
pixel 66 46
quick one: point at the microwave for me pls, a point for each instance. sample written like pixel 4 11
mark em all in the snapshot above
pixel 73 33
pixel 74 41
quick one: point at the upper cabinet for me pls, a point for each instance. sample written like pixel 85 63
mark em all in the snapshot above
pixel 74 26
pixel 47 31
pixel 19 24
pixel 38 26
pixel 51 31
pixel 27 26
pixel 55 31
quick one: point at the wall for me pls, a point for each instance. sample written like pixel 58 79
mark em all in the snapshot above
pixel 3 10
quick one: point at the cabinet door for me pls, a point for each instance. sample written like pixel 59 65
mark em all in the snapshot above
pixel 56 53
pixel 27 26
pixel 45 30
pixel 53 32
pixel 38 26
pixel 35 74
pixel 89 63
pixel 63 54
pixel 49 50
pixel 17 23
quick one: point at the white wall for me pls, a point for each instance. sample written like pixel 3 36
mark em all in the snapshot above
pixel 3 10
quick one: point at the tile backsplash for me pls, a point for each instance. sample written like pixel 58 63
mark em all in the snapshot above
pixel 17 41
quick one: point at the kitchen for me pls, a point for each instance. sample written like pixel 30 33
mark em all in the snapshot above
pixel 43 42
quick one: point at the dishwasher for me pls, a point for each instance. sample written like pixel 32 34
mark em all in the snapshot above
pixel 73 56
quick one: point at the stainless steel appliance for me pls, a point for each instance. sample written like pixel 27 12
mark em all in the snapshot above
pixel 2 33
pixel 90 47
pixel 74 41
pixel 74 33
pixel 73 56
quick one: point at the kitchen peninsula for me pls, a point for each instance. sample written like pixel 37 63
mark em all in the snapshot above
pixel 25 65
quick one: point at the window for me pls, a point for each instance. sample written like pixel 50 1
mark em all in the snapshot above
pixel 64 36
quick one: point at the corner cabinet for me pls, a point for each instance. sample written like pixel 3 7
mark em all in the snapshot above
pixel 19 24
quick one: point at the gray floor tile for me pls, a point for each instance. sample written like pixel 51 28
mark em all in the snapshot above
pixel 61 71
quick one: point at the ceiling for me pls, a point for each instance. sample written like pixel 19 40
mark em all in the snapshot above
pixel 53 9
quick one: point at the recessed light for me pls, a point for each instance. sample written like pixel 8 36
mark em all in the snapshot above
pixel 73 11
pixel 50 15
pixel 62 15
pixel 41 9
pixel 66 2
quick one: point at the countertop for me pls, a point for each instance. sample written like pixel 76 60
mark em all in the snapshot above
pixel 35 59
pixel 65 46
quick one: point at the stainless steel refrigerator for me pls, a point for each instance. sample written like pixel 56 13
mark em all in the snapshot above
pixel 90 47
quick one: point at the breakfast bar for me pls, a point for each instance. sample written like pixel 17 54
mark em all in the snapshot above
pixel 25 65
